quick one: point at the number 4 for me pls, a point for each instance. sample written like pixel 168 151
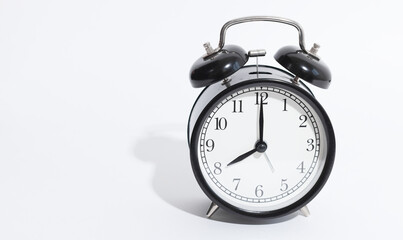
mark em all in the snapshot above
pixel 301 167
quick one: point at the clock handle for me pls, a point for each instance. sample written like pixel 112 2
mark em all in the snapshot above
pixel 220 63
pixel 233 22
pixel 304 64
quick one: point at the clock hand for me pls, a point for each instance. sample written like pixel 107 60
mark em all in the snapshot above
pixel 242 157
pixel 261 127
pixel 261 122
pixel 268 160
pixel 260 146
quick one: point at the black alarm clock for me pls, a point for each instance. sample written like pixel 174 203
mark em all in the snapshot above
pixel 260 143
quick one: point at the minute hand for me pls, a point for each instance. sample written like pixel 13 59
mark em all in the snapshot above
pixel 242 157
pixel 261 123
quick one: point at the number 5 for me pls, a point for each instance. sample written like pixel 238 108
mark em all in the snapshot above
pixel 284 185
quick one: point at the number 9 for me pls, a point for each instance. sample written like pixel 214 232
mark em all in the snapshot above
pixel 210 145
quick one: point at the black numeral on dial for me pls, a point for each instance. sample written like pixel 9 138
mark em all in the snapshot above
pixel 310 145
pixel 237 106
pixel 261 98
pixel 210 145
pixel 285 104
pixel 303 118
pixel 220 123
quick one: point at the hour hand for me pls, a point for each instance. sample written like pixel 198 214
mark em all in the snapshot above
pixel 242 157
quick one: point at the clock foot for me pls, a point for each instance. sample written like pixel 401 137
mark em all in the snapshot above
pixel 305 211
pixel 211 210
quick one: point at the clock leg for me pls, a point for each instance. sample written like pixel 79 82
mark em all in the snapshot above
pixel 211 210
pixel 305 211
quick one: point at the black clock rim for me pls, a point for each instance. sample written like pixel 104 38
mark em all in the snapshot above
pixel 312 193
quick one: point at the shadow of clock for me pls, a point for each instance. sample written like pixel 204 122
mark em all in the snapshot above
pixel 173 180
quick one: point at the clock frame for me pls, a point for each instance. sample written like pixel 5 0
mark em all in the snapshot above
pixel 246 77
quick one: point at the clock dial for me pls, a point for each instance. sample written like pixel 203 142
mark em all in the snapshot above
pixel 262 148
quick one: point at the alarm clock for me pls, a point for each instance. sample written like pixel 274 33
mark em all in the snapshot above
pixel 261 145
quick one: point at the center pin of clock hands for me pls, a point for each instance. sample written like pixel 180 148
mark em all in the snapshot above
pixel 260 146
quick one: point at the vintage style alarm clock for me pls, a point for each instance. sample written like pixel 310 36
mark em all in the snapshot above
pixel 260 144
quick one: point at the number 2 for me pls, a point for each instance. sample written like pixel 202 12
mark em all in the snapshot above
pixel 303 118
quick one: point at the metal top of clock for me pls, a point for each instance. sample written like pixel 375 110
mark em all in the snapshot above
pixel 220 63
pixel 236 21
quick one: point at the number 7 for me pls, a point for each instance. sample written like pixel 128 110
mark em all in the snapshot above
pixel 237 180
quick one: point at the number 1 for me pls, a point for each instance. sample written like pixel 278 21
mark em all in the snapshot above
pixel 285 104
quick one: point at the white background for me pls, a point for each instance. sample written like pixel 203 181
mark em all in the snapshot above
pixel 94 101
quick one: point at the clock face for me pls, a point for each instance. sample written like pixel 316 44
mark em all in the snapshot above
pixel 262 147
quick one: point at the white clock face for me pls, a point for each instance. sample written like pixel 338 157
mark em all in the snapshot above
pixel 262 148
